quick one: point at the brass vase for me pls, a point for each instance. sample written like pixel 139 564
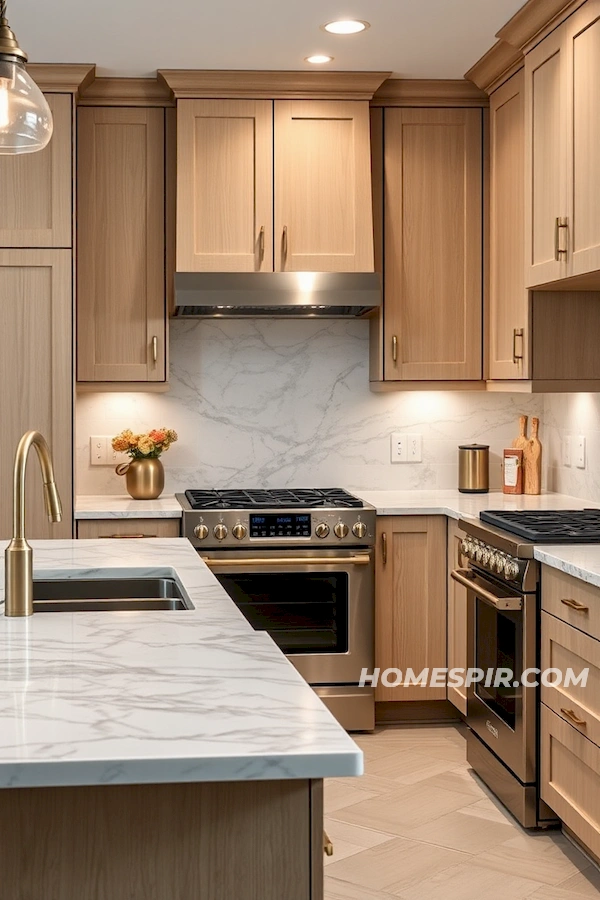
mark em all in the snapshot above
pixel 144 478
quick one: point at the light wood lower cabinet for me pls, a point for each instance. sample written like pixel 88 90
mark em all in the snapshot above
pixel 410 601
pixel 128 528
pixel 572 600
pixel 36 366
pixel 457 616
pixel 569 780
pixel 121 306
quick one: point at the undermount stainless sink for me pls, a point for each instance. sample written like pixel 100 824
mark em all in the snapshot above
pixel 108 594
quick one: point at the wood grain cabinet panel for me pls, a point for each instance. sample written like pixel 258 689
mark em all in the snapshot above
pixel 457 616
pixel 572 600
pixel 121 314
pixel 433 244
pixel 225 186
pixel 36 377
pixel 509 325
pixel 323 204
pixel 36 188
pixel 128 528
pixel 410 601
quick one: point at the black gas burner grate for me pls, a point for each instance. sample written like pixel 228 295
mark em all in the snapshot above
pixel 565 526
pixel 286 498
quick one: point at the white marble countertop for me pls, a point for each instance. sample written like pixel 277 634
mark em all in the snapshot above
pixel 580 560
pixel 148 697
pixel 121 506
pixel 463 506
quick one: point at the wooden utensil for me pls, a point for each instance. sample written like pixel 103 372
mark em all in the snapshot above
pixel 532 459
pixel 521 441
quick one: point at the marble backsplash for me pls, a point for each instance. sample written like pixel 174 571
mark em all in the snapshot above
pixel 279 403
pixel 570 415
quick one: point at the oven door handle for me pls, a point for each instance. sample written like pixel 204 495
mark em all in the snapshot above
pixel 466 578
pixel 359 560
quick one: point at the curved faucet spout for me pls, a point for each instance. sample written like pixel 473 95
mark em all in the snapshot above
pixel 18 574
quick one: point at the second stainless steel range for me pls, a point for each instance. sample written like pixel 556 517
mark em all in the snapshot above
pixel 299 565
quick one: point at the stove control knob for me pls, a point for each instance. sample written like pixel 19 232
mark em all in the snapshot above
pixel 340 529
pixel 464 547
pixel 486 556
pixel 479 554
pixel 220 532
pixel 322 530
pixel 239 531
pixel 500 563
pixel 201 532
pixel 494 562
pixel 511 568
pixel 359 530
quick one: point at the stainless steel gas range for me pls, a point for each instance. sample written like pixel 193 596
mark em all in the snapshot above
pixel 502 578
pixel 299 565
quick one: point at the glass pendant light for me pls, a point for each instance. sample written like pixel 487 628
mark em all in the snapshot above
pixel 25 117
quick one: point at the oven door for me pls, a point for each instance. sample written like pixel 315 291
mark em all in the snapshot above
pixel 501 627
pixel 316 605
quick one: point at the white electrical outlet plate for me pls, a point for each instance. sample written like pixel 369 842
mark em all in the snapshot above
pixel 415 448
pixel 398 447
pixel 580 451
pixel 566 450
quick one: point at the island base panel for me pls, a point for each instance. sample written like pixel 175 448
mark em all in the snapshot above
pixel 252 840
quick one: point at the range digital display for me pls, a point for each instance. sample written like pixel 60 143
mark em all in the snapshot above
pixel 273 525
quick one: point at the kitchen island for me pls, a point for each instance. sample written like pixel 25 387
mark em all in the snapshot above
pixel 172 755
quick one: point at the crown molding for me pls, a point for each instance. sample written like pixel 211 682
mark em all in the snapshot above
pixel 429 92
pixel 535 17
pixel 126 92
pixel 67 78
pixel 212 83
pixel 497 65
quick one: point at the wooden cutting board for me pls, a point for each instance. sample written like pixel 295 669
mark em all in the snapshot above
pixel 521 442
pixel 532 461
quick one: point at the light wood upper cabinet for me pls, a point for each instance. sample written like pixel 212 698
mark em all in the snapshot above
pixel 225 186
pixel 433 244
pixel 457 616
pixel 509 327
pixel 323 217
pixel 121 326
pixel 410 601
pixel 36 376
pixel 37 188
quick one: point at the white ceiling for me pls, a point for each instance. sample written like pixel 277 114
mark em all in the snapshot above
pixel 412 38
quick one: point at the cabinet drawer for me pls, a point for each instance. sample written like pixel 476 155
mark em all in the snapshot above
pixel 569 783
pixel 128 528
pixel 564 647
pixel 571 600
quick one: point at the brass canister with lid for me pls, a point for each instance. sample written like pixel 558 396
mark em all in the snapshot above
pixel 474 468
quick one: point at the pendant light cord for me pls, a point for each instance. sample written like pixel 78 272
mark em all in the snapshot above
pixel 2 9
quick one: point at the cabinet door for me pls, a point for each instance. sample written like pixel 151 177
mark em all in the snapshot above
pixel 583 172
pixel 323 204
pixel 545 161
pixel 36 327
pixel 457 616
pixel 225 186
pixel 121 326
pixel 128 528
pixel 509 332
pixel 37 188
pixel 433 244
pixel 410 601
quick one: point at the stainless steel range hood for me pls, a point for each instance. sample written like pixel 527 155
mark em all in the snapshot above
pixel 295 295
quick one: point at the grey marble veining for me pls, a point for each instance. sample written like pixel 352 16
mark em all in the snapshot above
pixel 287 403
pixel 123 507
pixel 581 561
pixel 148 697
pixel 573 415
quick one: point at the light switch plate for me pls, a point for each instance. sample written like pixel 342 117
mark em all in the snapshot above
pixel 580 451
pixel 398 447
pixel 102 453
pixel 566 450
pixel 415 448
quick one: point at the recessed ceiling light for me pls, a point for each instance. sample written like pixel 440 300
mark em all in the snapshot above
pixel 318 58
pixel 345 26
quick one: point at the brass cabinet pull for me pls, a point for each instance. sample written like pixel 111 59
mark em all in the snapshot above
pixel 573 604
pixel 284 242
pixel 261 242
pixel 384 547
pixel 517 333
pixel 327 845
pixel 394 348
pixel 249 562
pixel 573 717
pixel 561 223
pixel 154 349
pixel 128 536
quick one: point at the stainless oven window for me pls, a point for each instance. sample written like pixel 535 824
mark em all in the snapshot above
pixel 304 612
pixel 499 645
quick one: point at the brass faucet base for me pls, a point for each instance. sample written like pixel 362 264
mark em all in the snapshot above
pixel 18 560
